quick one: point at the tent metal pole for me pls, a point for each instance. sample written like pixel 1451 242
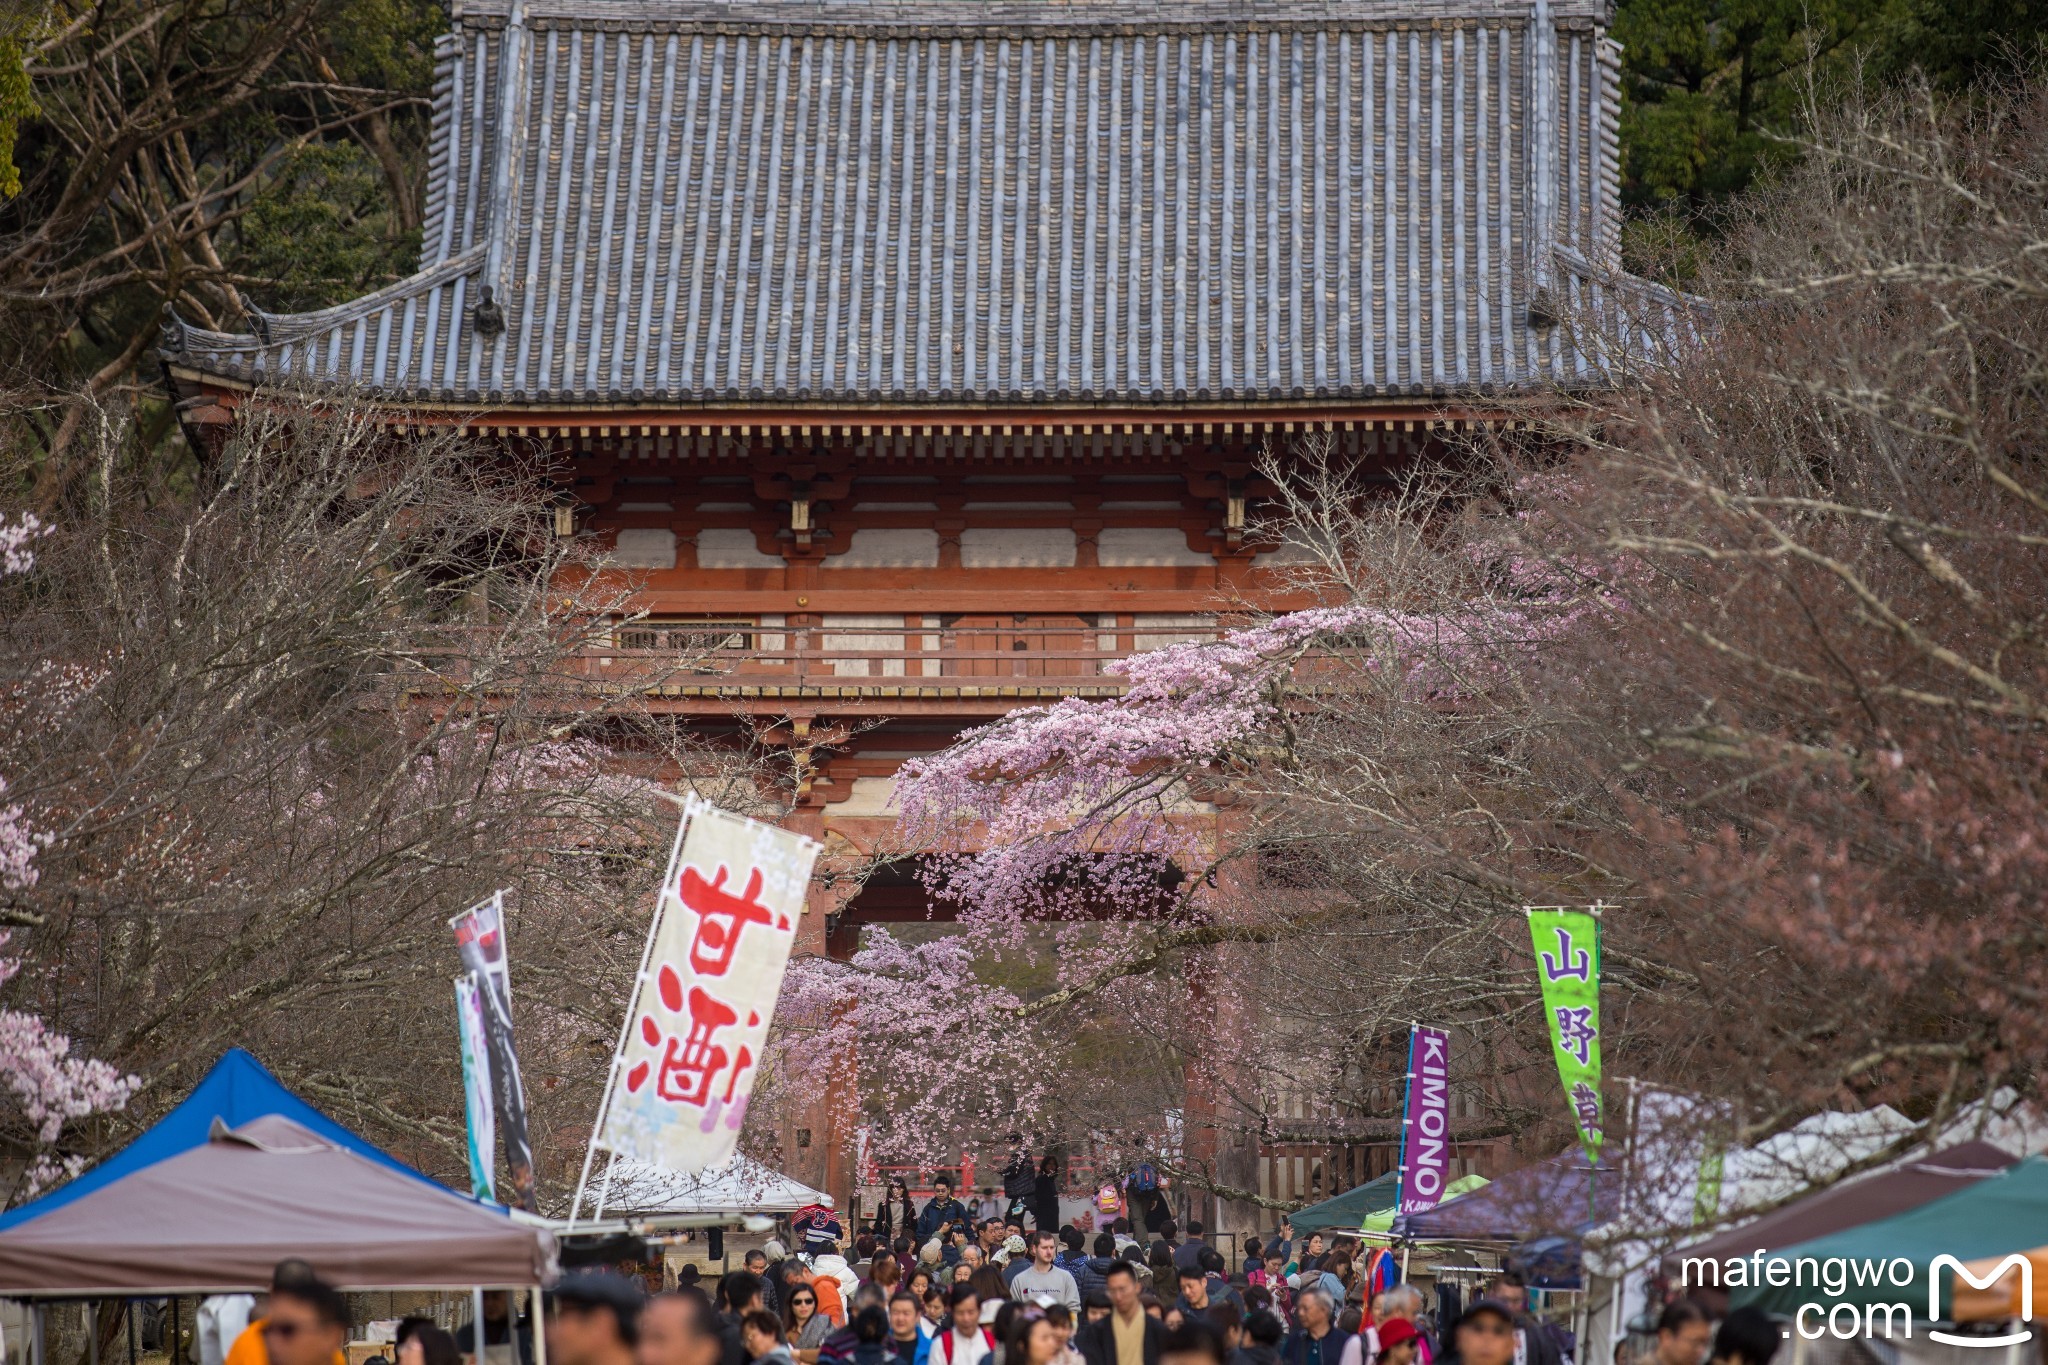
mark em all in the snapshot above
pixel 35 1318
pixel 691 805
pixel 540 1328
pixel 131 1332
pixel 476 1323
pixel 92 1332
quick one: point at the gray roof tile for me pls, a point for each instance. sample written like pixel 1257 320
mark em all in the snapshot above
pixel 941 202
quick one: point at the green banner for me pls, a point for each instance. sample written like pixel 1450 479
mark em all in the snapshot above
pixel 1706 1199
pixel 1568 965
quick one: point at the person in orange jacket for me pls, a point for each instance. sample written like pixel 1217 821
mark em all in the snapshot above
pixel 248 1347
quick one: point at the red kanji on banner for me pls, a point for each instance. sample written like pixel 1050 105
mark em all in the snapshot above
pixel 690 1061
pixel 722 917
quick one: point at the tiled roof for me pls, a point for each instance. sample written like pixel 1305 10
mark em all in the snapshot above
pixel 941 202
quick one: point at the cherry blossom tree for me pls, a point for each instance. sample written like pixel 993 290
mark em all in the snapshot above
pixel 1746 645
pixel 1101 860
pixel 50 1085
pixel 276 724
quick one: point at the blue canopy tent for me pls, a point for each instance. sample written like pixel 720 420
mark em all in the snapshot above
pixel 238 1088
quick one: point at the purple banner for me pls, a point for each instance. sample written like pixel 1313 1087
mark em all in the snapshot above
pixel 1426 1120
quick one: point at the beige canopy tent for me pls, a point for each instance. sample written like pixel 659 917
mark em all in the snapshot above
pixel 219 1217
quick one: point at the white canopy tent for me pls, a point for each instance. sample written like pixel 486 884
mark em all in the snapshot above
pixel 638 1193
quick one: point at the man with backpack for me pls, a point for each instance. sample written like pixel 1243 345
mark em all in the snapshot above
pixel 1020 1180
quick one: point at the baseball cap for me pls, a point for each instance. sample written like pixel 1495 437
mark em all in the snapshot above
pixel 1394 1331
pixel 1492 1306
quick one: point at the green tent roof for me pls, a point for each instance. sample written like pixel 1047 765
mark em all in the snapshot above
pixel 1369 1206
pixel 1349 1209
pixel 2006 1213
pixel 1383 1221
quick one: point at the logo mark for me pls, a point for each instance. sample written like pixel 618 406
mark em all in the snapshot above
pixel 1998 1272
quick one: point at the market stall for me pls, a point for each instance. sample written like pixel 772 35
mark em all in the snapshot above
pixel 265 1178
pixel 643 1194
pixel 1559 1196
pixel 237 1088
pixel 1853 1203
pixel 1369 1208
pixel 1991 1218
pixel 217 1219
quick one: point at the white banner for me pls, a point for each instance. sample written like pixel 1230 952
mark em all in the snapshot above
pixel 1674 1166
pixel 476 1089
pixel 721 937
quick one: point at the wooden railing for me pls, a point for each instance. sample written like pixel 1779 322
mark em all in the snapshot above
pixel 920 654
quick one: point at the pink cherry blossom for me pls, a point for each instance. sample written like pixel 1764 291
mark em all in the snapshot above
pixel 50 1085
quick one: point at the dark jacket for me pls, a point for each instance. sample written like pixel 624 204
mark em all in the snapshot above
pixel 1219 1292
pixel 496 1334
pixel 1249 1354
pixel 1045 1202
pixel 1092 1274
pixel 1097 1341
pixel 1294 1349
pixel 1020 1177
pixel 896 1220
pixel 1543 1347
pixel 936 1215
pixel 732 1350
pixel 1150 1208
pixel 840 1347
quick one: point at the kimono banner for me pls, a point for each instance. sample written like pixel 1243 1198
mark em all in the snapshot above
pixel 480 937
pixel 476 1089
pixel 701 1007
pixel 1568 967
pixel 1426 1120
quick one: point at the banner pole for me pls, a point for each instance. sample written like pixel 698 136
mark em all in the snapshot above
pixel 611 1077
pixel 604 1187
pixel 1407 1118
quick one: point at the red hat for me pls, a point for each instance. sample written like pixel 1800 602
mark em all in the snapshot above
pixel 1394 1331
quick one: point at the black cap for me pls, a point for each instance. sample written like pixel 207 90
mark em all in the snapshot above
pixel 1493 1306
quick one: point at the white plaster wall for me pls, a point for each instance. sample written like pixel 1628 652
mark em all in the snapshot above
pixel 1290 552
pixel 1017 547
pixel 879 547
pixel 645 548
pixel 852 632
pixel 1156 630
pixel 871 796
pixel 1157 547
pixel 732 547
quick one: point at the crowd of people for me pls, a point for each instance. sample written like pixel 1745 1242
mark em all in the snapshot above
pixel 949 1284
pixel 982 1290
